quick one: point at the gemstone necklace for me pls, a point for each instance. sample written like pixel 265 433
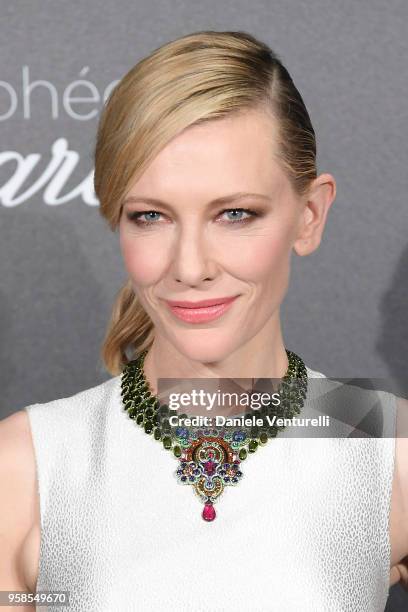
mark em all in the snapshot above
pixel 210 458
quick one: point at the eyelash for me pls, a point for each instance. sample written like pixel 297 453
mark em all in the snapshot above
pixel 134 217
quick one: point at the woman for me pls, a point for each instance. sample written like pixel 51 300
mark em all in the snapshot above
pixel 205 162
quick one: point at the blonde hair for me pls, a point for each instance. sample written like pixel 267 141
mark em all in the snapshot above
pixel 203 76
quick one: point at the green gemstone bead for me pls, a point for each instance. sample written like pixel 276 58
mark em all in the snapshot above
pixel 263 437
pixel 243 454
pixel 177 450
pixel 166 425
pixel 149 412
pixel 139 419
pixel 148 427
pixel 167 442
pixel 157 433
pixel 144 404
pixel 252 446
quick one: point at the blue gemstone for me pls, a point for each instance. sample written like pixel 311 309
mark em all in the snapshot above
pixel 235 480
pixel 182 432
pixel 226 478
pixel 191 478
pixel 183 478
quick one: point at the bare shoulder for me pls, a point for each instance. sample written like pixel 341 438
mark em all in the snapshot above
pixel 16 448
pixel 19 510
pixel 399 499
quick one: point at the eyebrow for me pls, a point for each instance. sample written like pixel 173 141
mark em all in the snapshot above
pixel 234 197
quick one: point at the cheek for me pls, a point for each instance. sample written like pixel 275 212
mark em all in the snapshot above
pixel 259 258
pixel 143 262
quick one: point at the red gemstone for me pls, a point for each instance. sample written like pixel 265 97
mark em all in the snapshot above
pixel 209 467
pixel 208 512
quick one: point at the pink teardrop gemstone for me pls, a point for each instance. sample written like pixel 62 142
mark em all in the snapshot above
pixel 208 512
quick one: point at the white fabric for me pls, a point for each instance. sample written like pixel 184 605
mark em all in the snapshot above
pixel 306 528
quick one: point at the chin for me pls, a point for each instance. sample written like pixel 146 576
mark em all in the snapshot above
pixel 204 348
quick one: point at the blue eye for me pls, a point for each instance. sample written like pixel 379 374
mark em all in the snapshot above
pixel 136 217
pixel 238 210
pixel 151 212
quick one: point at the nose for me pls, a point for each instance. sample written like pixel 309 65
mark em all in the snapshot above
pixel 193 256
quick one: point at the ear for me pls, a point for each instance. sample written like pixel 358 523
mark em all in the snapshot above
pixel 314 212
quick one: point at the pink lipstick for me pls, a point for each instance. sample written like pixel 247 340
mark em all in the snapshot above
pixel 202 311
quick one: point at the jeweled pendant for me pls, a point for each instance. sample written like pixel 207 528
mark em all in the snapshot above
pixel 209 513
pixel 209 463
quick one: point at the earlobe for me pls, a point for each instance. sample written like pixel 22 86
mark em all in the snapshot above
pixel 305 246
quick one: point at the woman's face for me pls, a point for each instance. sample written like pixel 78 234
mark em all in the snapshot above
pixel 194 246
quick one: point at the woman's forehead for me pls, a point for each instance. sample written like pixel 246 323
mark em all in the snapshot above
pixel 232 155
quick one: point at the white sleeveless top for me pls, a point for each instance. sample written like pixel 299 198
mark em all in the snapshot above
pixel 306 528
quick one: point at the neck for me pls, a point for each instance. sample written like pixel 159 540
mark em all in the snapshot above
pixel 263 356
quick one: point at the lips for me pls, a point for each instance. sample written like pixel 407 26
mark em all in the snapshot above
pixel 200 312
pixel 201 303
